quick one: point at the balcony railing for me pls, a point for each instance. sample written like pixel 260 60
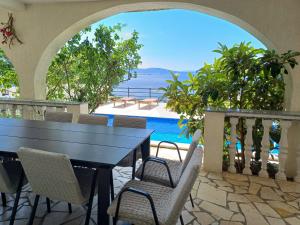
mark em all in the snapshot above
pixel 139 93
pixel 35 109
pixel 288 155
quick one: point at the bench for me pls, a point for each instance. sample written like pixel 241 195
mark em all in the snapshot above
pixel 124 100
pixel 148 101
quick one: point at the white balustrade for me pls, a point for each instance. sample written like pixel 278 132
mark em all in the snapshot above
pixel 35 109
pixel 232 147
pixel 264 155
pixel 297 178
pixel 283 154
pixel 248 146
pixel 289 144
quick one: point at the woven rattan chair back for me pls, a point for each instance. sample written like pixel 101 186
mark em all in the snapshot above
pixel 185 185
pixel 130 122
pixel 64 117
pixel 93 120
pixel 51 174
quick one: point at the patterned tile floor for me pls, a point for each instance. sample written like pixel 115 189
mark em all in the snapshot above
pixel 220 199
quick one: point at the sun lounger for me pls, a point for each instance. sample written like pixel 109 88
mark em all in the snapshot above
pixel 124 100
pixel 148 101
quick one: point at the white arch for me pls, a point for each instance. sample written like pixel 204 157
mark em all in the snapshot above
pixel 52 48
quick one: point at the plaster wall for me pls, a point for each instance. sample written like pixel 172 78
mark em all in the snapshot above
pixel 44 28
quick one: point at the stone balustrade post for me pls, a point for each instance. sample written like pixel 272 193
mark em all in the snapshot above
pixel 265 149
pixel 213 141
pixel 232 147
pixel 283 153
pixel 78 109
pixel 248 146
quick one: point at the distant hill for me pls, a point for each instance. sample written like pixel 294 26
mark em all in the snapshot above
pixel 158 71
pixel 153 78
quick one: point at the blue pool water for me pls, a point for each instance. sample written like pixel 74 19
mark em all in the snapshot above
pixel 165 129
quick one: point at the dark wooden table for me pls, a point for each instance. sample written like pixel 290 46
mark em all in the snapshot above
pixel 93 146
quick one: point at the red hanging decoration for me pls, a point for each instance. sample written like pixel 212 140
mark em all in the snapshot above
pixel 8 32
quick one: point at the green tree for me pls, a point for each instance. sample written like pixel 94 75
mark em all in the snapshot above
pixel 88 70
pixel 241 78
pixel 8 75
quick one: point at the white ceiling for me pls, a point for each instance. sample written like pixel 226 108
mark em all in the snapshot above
pixel 48 1
pixel 21 4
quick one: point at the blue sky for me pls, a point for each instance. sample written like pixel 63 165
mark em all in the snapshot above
pixel 179 40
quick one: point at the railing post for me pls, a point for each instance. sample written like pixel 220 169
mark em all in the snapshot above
pixel 150 94
pixel 283 154
pixel 128 92
pixel 248 146
pixel 213 141
pixel 232 147
pixel 78 109
pixel 265 148
pixel 293 159
pixel 28 112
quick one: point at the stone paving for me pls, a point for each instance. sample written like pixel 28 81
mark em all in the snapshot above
pixel 222 199
pixel 238 199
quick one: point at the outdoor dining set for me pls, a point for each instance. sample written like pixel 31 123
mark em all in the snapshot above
pixel 73 162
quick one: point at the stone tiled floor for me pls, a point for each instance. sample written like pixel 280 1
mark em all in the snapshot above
pixel 238 199
pixel 220 199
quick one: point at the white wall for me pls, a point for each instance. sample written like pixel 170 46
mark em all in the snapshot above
pixel 44 28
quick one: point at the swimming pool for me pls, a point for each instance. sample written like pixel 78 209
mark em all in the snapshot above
pixel 165 129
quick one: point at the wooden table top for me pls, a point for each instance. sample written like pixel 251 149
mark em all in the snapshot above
pixel 95 145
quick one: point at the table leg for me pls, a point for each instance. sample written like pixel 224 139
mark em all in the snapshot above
pixel 133 164
pixel 103 195
pixel 146 148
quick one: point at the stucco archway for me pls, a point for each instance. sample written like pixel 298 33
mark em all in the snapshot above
pixel 51 50
pixel 44 28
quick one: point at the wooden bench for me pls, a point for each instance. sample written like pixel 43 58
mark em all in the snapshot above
pixel 124 100
pixel 148 101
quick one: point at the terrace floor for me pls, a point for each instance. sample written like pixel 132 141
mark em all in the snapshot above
pixel 220 199
pixel 133 110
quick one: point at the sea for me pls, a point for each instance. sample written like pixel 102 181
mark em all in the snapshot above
pixel 147 82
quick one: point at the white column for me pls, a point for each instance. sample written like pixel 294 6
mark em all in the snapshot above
pixel 213 141
pixel 297 177
pixel 296 144
pixel 265 149
pixel 283 153
pixel 232 147
pixel 248 146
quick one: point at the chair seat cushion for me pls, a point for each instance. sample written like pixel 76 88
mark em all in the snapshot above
pixel 157 173
pixel 136 208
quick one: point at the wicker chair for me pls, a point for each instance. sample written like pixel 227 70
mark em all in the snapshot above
pixel 146 203
pixel 12 180
pixel 93 120
pixel 130 122
pixel 164 171
pixel 63 117
pixel 97 120
pixel 52 175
